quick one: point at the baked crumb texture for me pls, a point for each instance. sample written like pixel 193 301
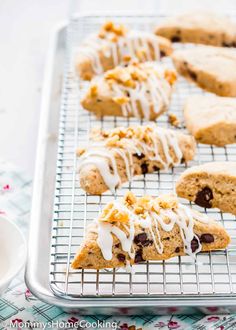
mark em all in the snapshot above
pixel 211 119
pixel 210 185
pixel 136 229
pixel 200 28
pixel 211 68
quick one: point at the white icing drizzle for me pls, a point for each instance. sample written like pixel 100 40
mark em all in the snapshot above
pixel 182 216
pixel 153 91
pixel 127 45
pixel 103 157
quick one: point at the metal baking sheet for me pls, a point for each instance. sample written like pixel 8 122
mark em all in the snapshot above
pixel 61 210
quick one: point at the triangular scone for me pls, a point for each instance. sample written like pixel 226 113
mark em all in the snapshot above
pixel 210 185
pixel 140 90
pixel 200 28
pixel 211 119
pixel 114 156
pixel 138 229
pixel 115 45
pixel 212 68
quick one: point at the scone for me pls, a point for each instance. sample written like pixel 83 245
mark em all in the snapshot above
pixel 115 156
pixel 140 90
pixel 133 230
pixel 210 185
pixel 211 68
pixel 114 45
pixel 211 119
pixel 200 28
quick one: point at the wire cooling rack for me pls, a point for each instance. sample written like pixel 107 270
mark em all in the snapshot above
pixel 212 274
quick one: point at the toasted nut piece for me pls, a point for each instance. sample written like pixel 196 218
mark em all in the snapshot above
pixel 138 209
pixel 121 100
pixel 130 198
pixel 108 26
pixel 94 90
pixel 170 76
pixel 167 201
pixel 141 54
pixel 173 120
pixel 112 141
pixel 127 58
pixel 80 151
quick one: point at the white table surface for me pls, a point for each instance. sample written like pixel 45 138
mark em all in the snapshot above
pixel 24 35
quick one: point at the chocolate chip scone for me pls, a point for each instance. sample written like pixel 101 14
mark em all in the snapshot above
pixel 115 45
pixel 210 185
pixel 211 68
pixel 133 230
pixel 140 90
pixel 200 28
pixel 115 156
pixel 211 119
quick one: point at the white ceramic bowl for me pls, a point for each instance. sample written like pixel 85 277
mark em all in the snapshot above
pixel 12 252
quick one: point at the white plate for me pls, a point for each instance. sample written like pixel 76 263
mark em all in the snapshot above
pixel 12 252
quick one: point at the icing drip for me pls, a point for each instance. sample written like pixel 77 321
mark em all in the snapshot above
pixel 181 216
pixel 128 45
pixel 154 91
pixel 103 157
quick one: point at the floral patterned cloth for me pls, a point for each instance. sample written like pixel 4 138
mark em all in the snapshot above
pixel 20 309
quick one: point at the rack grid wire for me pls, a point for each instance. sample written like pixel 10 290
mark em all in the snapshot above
pixel 211 274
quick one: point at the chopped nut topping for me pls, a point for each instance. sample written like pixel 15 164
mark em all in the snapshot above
pixel 94 90
pixel 167 201
pixel 141 133
pixel 111 31
pixel 141 54
pixel 121 100
pixel 80 151
pixel 127 58
pixel 170 76
pixel 173 120
pixel 130 198
pixel 113 215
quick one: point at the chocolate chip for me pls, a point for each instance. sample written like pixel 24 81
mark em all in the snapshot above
pixel 138 256
pixel 156 168
pixel 162 53
pixel 117 245
pixel 192 74
pixel 148 242
pixel 182 160
pixel 140 238
pixel 144 167
pixel 177 250
pixel 166 238
pixel 175 39
pixel 139 156
pixel 226 44
pixel 194 244
pixel 204 197
pixel 207 238
pixel 99 100
pixel 121 257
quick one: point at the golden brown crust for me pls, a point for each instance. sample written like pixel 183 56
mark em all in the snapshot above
pixel 211 68
pixel 199 27
pixel 210 185
pixel 89 254
pixel 211 119
pixel 91 179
